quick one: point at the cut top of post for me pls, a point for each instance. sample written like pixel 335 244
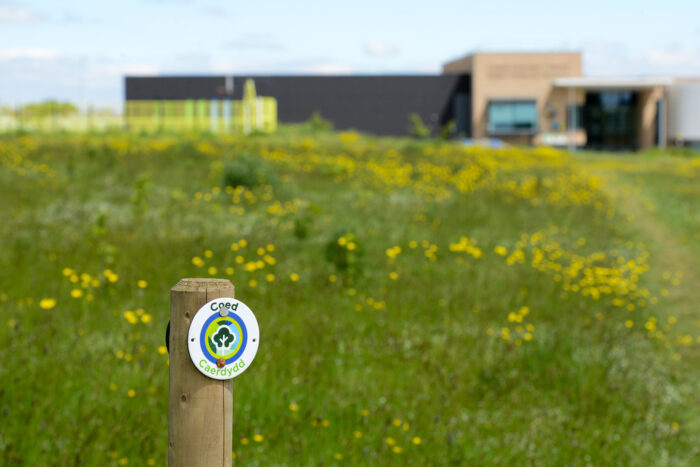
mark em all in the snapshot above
pixel 202 285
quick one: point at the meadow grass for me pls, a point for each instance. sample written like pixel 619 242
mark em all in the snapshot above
pixel 419 302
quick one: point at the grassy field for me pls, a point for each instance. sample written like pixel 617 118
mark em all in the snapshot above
pixel 419 302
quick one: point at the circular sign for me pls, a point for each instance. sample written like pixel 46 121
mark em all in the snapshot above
pixel 223 338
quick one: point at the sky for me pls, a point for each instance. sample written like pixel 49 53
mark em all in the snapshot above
pixel 81 50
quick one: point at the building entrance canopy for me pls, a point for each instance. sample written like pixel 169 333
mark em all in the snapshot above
pixel 613 84
pixel 617 113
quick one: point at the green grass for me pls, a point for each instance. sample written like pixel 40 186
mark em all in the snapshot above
pixel 354 362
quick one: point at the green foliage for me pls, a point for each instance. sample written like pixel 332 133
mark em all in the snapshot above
pixel 417 129
pixel 47 108
pixel 99 225
pixel 249 171
pixel 141 188
pixel 318 123
pixel 301 227
pixel 448 130
pixel 344 252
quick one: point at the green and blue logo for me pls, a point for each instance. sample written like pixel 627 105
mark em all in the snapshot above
pixel 223 337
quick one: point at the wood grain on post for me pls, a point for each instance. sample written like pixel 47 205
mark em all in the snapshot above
pixel 200 409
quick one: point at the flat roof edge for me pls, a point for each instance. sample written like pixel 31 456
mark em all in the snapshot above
pixel 613 82
pixel 291 75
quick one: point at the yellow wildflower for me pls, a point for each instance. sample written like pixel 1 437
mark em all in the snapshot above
pixel 47 303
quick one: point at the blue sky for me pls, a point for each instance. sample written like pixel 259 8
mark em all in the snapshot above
pixel 80 50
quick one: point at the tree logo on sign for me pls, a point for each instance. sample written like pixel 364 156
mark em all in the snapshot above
pixel 223 337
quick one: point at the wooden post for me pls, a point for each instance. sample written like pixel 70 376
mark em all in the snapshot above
pixel 200 409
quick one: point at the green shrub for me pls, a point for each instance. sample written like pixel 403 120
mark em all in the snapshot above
pixel 417 128
pixel 301 227
pixel 249 171
pixel 344 251
pixel 318 123
pixel 448 130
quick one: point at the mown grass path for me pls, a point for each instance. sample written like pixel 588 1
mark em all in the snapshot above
pixel 652 201
pixel 671 253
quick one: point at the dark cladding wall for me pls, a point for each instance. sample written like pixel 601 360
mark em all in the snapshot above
pixel 375 104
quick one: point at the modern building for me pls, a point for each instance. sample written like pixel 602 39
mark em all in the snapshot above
pixel 376 104
pixel 520 98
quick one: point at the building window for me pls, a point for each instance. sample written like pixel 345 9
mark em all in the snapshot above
pixel 512 117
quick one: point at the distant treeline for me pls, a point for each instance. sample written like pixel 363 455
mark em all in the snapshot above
pixel 48 108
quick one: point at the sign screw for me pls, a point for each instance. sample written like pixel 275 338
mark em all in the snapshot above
pixel 223 311
pixel 221 363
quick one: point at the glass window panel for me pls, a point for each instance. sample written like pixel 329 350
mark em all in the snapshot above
pixel 512 117
pixel 525 112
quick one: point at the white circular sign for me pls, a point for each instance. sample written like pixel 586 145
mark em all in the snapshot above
pixel 223 338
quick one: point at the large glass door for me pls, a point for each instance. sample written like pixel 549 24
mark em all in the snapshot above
pixel 610 120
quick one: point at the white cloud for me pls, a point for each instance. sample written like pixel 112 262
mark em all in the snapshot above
pixel 684 56
pixel 274 67
pixel 611 59
pixel 16 14
pixel 71 17
pixel 254 41
pixel 216 11
pixel 377 48
pixel 35 53
pixel 328 68
pixel 131 69
pixel 32 75
pixel 228 66
pixel 254 44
